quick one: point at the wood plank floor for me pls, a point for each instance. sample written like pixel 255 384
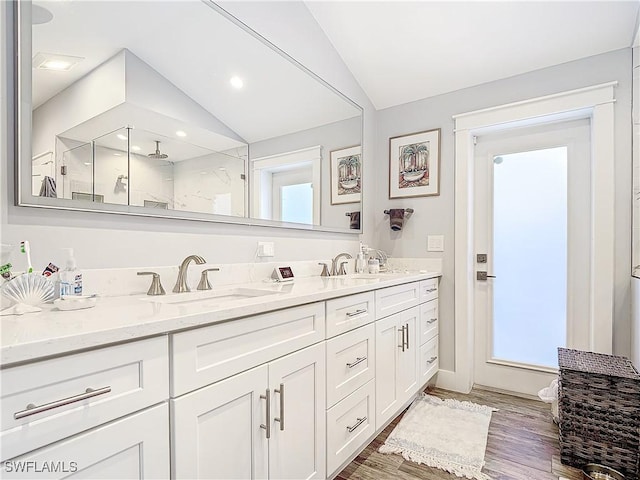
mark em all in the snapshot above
pixel 522 445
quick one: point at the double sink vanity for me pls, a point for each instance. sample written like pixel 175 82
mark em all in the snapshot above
pixel 258 380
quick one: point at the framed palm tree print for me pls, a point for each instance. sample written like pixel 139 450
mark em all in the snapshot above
pixel 414 164
pixel 346 181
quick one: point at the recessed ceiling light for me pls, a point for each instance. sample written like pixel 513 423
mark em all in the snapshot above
pixel 222 168
pixel 236 82
pixel 121 137
pixel 87 163
pixel 117 154
pixel 135 148
pixel 203 173
pixel 180 133
pixel 54 61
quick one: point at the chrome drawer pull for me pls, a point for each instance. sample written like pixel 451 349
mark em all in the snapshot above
pixel 431 360
pixel 429 290
pixel 281 418
pixel 357 312
pixel 358 361
pixel 358 423
pixel 267 425
pixel 33 409
pixel 432 320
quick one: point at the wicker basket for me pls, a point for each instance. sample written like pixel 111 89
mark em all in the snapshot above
pixel 599 400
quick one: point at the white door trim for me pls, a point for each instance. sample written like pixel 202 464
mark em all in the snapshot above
pixel 595 103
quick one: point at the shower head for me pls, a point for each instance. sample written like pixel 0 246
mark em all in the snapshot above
pixel 157 153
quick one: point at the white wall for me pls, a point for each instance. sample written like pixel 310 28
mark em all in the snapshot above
pixel 103 240
pixel 435 215
pixel 198 181
pixel 333 136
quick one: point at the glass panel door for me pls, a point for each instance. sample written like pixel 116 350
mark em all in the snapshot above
pixel 530 256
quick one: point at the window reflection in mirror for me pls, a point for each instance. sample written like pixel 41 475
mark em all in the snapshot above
pixel 126 117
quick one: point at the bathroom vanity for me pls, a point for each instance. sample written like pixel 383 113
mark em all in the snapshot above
pixel 265 381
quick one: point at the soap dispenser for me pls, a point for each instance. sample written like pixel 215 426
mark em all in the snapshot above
pixel 70 276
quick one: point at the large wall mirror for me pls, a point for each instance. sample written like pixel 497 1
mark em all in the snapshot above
pixel 175 109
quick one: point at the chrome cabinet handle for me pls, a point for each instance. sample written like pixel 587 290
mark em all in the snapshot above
pixel 407 336
pixel 281 418
pixel 267 424
pixel 429 290
pixel 359 422
pixel 431 360
pixel 432 320
pixel 357 312
pixel 402 344
pixel 33 409
pixel 358 361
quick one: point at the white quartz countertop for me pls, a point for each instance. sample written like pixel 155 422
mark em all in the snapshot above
pixel 53 332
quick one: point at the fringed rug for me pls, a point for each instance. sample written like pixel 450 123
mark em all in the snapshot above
pixel 445 434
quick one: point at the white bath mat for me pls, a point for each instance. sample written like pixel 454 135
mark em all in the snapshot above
pixel 445 434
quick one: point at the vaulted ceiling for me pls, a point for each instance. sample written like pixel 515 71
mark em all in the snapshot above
pixel 404 51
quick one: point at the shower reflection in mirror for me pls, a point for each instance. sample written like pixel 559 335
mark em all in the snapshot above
pixel 150 170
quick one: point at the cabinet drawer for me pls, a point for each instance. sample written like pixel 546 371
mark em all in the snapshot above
pixel 428 360
pixel 350 423
pixel 132 376
pixel 205 355
pixel 395 299
pixel 428 321
pixel 135 447
pixel 350 362
pixel 428 289
pixel 347 313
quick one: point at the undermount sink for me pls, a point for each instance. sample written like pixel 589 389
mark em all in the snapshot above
pixel 217 295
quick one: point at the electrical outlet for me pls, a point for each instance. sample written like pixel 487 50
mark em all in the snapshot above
pixel 266 249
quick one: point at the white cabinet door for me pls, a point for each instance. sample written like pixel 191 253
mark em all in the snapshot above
pixel 133 447
pixel 396 362
pixel 388 344
pixel 298 429
pixel 216 431
pixel 407 374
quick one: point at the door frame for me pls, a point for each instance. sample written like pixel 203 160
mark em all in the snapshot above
pixel 595 103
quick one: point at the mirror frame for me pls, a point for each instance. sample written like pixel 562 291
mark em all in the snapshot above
pixel 20 11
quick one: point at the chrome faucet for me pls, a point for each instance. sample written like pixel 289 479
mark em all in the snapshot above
pixel 181 282
pixel 339 270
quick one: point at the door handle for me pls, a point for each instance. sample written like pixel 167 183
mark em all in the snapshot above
pixel 402 344
pixel 267 425
pixel 407 330
pixel 482 276
pixel 281 418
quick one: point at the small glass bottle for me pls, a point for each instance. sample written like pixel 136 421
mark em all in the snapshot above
pixel 374 265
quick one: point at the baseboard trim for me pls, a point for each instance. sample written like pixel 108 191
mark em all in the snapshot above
pixel 449 380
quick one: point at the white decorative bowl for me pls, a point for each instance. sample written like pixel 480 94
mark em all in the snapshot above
pixel 29 289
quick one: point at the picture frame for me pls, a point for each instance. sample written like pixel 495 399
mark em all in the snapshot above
pixel 414 164
pixel 346 175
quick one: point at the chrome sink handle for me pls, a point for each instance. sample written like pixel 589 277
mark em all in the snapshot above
pixel 204 280
pixel 156 286
pixel 325 270
pixel 181 282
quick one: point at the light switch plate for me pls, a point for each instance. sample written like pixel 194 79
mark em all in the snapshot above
pixel 435 243
pixel 266 249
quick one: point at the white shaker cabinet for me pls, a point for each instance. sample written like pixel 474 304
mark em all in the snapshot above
pixel 396 362
pixel 267 422
pixel 134 447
